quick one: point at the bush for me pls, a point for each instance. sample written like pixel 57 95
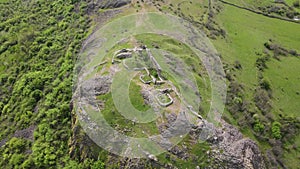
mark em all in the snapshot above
pixel 16 159
pixel 290 14
pixel 1 107
pixel 235 101
pixel 276 132
pixel 265 84
pixel 296 4
pixel 3 78
pixel 16 145
pixel 258 126
pixel 262 100
pixel 237 65
pixel 98 165
pixel 27 164
pixel 261 63
pixel 36 94
pixel 293 52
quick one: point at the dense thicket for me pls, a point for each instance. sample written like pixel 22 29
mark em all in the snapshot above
pixel 39 43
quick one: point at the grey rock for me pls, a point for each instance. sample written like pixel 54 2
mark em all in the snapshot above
pixel 108 4
pixel 96 86
pixel 238 152
pixel 124 55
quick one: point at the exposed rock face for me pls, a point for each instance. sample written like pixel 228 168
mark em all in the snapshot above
pixel 230 148
pixel 25 134
pixel 108 4
pixel 96 86
pixel 81 146
pixel 147 96
pixel 112 3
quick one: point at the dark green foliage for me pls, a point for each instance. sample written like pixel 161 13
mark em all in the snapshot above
pixel 136 97
pixel 290 128
pixel 258 126
pixel 235 102
pixel 262 100
pixel 276 133
pixel 265 84
pixel 97 165
pixel 39 43
pixel 153 72
pixel 237 65
pixel 296 4
pixel 88 163
pixel 13 152
pixel 261 62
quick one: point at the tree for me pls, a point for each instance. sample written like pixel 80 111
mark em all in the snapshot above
pixel 258 126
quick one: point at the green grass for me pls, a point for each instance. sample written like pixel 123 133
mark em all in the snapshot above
pixel 114 118
pixel 291 157
pixel 194 67
pixel 136 97
pixel 285 82
pixel 163 98
pixel 246 34
pixel 240 44
pixel 251 3
pixel 180 51
pixel 146 77
pixel 197 152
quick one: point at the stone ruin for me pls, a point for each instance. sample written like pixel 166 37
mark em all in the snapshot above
pixel 120 56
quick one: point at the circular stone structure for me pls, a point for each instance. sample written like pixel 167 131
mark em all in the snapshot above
pixel 93 54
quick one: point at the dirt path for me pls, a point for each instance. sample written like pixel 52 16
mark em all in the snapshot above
pixel 258 12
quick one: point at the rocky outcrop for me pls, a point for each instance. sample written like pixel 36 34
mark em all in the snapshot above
pixel 96 86
pixel 108 4
pixel 25 134
pixel 81 146
pixel 104 4
pixel 232 150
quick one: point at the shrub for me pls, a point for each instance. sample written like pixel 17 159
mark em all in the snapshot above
pixel 1 107
pixel 16 159
pixel 258 126
pixel 265 84
pixel 262 100
pixel 3 78
pixel 276 132
pixel 27 164
pixel 97 165
pixel 237 65
pixel 261 63
pixel 293 52
pixel 36 94
pixel 290 14
pixel 296 4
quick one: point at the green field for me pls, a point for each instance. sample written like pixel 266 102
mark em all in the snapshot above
pixel 246 35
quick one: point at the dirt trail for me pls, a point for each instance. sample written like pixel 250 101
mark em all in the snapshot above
pixel 259 13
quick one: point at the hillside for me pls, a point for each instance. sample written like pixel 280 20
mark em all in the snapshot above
pixel 149 84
